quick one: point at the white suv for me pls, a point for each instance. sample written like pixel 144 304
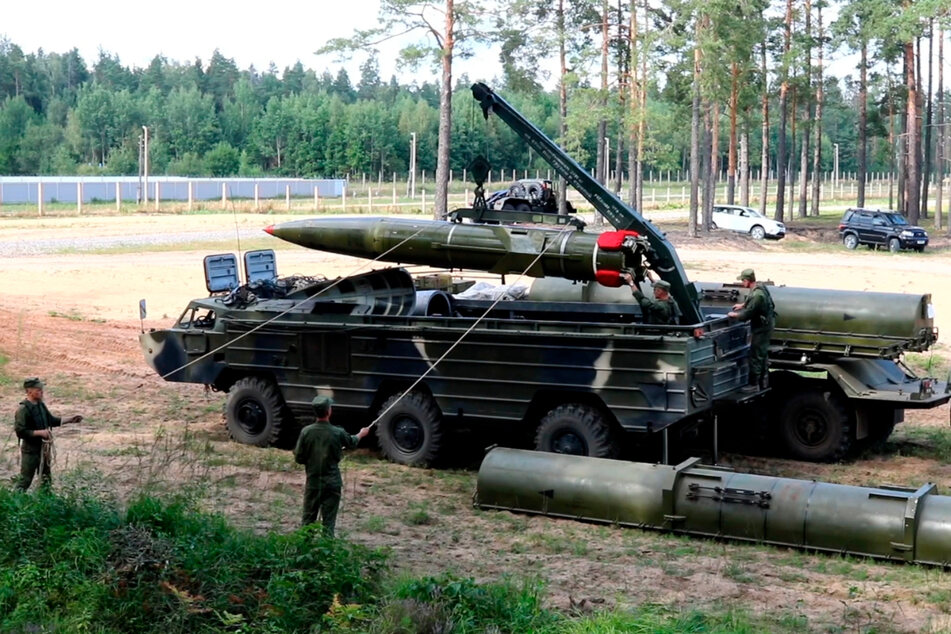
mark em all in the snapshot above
pixel 747 220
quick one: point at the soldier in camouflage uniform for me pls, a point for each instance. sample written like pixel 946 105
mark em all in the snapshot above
pixel 319 449
pixel 659 309
pixel 759 311
pixel 32 423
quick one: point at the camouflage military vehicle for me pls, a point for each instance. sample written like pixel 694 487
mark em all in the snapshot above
pixel 426 362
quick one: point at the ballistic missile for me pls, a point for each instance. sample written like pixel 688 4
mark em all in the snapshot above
pixel 899 524
pixel 500 249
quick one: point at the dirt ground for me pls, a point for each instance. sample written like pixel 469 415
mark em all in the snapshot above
pixel 72 318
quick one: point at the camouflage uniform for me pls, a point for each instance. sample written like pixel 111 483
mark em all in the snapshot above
pixel 29 418
pixel 758 310
pixel 319 449
pixel 657 311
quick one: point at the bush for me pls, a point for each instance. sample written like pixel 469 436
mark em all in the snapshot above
pixel 75 562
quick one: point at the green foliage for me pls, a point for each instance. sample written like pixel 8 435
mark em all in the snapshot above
pixel 72 561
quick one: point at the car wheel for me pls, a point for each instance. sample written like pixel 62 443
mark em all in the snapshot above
pixel 758 232
pixel 409 432
pixel 851 241
pixel 815 427
pixel 713 225
pixel 894 245
pixel 255 412
pixel 920 249
pixel 576 429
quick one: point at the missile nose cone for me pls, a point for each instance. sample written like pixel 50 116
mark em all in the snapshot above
pixel 269 229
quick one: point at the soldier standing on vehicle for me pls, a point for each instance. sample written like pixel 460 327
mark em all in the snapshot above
pixel 33 423
pixel 758 309
pixel 659 309
pixel 319 449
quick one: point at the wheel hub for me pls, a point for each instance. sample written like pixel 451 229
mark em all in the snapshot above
pixel 812 428
pixel 408 434
pixel 251 416
pixel 570 443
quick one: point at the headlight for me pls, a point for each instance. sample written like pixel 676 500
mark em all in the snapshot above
pixel 907 234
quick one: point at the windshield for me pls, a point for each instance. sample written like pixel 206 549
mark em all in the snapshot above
pixel 897 219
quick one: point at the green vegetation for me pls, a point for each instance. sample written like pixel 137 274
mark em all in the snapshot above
pixel 77 561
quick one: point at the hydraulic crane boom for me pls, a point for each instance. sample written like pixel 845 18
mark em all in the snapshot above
pixel 663 256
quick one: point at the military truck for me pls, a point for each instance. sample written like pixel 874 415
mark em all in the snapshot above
pixel 577 379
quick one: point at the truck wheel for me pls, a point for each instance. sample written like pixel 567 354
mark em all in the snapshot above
pixel 758 232
pixel 254 412
pixel 815 427
pixel 850 240
pixel 576 429
pixel 409 433
pixel 894 245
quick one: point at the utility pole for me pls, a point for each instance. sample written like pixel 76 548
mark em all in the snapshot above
pixel 145 187
pixel 412 167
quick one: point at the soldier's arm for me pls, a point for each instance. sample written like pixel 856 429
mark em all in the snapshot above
pixel 19 424
pixel 300 450
pixel 753 304
pixel 349 441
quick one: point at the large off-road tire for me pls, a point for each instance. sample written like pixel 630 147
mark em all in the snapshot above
pixel 814 426
pixel 851 241
pixel 894 245
pixel 758 232
pixel 576 429
pixel 411 431
pixel 255 412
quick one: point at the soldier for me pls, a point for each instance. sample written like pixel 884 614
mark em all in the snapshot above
pixel 660 309
pixel 33 423
pixel 319 449
pixel 758 309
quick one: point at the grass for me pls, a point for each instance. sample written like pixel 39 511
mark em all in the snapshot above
pixel 933 443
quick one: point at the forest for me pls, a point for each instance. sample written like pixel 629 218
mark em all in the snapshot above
pixel 714 90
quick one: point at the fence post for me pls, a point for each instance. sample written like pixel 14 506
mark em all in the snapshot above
pixel 424 202
pixel 257 198
pixel 191 194
pixel 344 197
pixel 224 196
pixel 287 197
pixel 39 197
pixel 316 198
pixel 370 199
pixel 157 195
pixel 79 198
pixel 118 196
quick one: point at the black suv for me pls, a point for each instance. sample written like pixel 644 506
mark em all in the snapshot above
pixel 885 228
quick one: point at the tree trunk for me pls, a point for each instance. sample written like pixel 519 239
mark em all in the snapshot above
pixel 601 165
pixel 707 168
pixel 926 166
pixel 715 142
pixel 792 154
pixel 817 151
pixel 562 102
pixel 863 123
pixel 806 117
pixel 440 205
pixel 744 161
pixel 783 107
pixel 911 129
pixel 695 139
pixel 942 135
pixel 893 150
pixel 764 159
pixel 642 116
pixel 731 160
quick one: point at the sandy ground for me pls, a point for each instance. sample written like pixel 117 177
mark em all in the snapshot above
pixel 73 319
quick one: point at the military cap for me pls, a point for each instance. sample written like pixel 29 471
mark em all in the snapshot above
pixel 747 274
pixel 32 382
pixel 322 402
pixel 664 284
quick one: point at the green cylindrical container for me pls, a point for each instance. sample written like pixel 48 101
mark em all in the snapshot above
pixel 888 523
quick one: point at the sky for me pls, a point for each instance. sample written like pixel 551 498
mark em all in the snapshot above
pixel 278 31
pixel 275 31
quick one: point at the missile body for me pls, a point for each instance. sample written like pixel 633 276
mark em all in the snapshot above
pixel 570 254
pixel 889 523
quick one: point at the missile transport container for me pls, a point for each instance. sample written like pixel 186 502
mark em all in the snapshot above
pixel 578 379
